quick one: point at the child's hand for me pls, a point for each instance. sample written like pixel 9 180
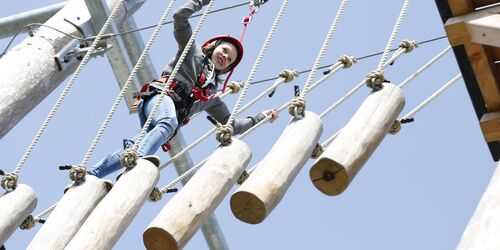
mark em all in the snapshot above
pixel 271 112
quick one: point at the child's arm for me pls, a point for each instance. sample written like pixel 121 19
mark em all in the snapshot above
pixel 219 111
pixel 182 28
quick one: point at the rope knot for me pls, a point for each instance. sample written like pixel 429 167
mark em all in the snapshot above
pixel 235 87
pixel 128 159
pixel 288 75
pixel 155 195
pixel 395 128
pixel 224 134
pixel 297 107
pixel 77 174
pixel 408 45
pixel 28 223
pixel 318 150
pixel 375 80
pixel 9 182
pixel 243 177
pixel 348 61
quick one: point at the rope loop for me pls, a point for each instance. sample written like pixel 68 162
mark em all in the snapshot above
pixel 155 195
pixel 28 223
pixel 128 159
pixel 243 177
pixel 288 75
pixel 77 174
pixel 9 182
pixel 235 87
pixel 408 45
pixel 224 134
pixel 375 80
pixel 318 150
pixel 297 107
pixel 348 61
pixel 395 128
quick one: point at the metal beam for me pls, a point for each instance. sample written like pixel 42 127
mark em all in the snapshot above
pixel 118 56
pixel 12 24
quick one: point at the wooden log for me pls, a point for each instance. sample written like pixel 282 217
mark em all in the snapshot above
pixel 265 187
pixel 15 207
pixel 113 214
pixel 490 125
pixel 179 220
pixel 484 227
pixel 338 165
pixel 70 213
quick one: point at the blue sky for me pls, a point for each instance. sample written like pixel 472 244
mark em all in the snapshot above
pixel 417 191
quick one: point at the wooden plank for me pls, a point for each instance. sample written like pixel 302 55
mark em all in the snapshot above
pixel 482 3
pixel 184 214
pixel 490 125
pixel 483 228
pixel 461 7
pixel 267 185
pixel 481 27
pixel 360 137
pixel 486 74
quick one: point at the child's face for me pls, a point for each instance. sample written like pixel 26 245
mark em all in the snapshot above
pixel 224 55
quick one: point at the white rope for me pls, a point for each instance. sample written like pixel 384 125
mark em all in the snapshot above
pixel 257 62
pixel 424 67
pixel 432 97
pixel 127 83
pixel 393 35
pixel 45 212
pixel 279 81
pixel 398 53
pixel 341 64
pixel 172 76
pixel 59 101
pixel 321 53
pixel 326 143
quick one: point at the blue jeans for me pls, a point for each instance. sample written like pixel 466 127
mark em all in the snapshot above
pixel 159 131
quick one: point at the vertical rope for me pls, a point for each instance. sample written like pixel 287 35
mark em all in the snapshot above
pixel 393 34
pixel 59 101
pixel 127 83
pixel 321 53
pixel 173 75
pixel 257 61
pixel 432 97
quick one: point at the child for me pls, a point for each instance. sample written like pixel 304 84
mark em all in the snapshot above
pixel 193 89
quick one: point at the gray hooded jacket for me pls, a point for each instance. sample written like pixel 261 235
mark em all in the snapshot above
pixel 196 62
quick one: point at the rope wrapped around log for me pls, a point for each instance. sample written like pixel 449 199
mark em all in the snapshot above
pixel 9 182
pixel 128 159
pixel 155 195
pixel 375 80
pixel 318 150
pixel 224 134
pixel 77 174
pixel 297 107
pixel 395 128
pixel 28 223
pixel 243 177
